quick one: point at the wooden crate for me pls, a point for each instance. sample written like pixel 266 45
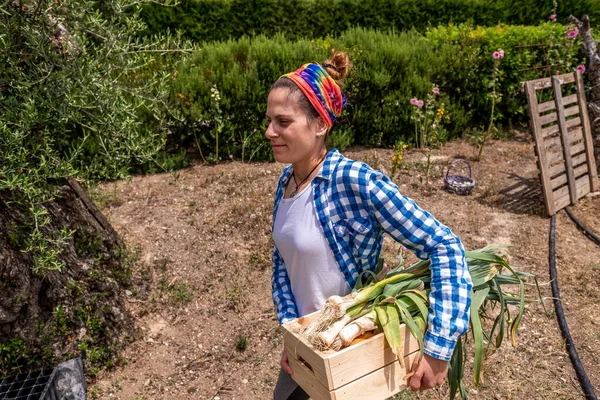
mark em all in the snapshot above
pixel 365 370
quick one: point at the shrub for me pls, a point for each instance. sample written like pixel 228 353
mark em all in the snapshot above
pixel 209 20
pixel 79 98
pixel 389 68
pixel 470 69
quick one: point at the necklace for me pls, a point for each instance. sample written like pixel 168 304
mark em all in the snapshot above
pixel 295 192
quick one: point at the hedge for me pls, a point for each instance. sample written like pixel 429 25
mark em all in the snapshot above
pixel 389 69
pixel 210 20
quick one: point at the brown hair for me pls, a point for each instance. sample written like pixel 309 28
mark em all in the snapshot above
pixel 337 67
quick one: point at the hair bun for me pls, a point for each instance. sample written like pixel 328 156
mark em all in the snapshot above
pixel 337 66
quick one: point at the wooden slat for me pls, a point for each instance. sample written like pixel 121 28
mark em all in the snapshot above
pixel 577 148
pixel 546 83
pixel 546 119
pixel 373 353
pixel 554 143
pixel 380 384
pixel 561 192
pixel 587 132
pixel 551 105
pixel 552 157
pixel 562 202
pixel 562 179
pixel 583 186
pixel 573 123
pixel 562 123
pixel 570 111
pixel 556 170
pixel 562 196
pixel 580 171
pixel 299 350
pixel 536 127
pixel 551 117
pixel 558 181
pixel 305 377
pixel 551 130
pixel 579 160
pixel 560 169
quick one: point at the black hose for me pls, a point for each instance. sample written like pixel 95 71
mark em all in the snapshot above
pixel 581 226
pixel 586 386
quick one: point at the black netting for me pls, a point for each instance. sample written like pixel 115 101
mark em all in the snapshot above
pixel 64 382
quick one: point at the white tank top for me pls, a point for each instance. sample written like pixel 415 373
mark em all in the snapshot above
pixel 312 269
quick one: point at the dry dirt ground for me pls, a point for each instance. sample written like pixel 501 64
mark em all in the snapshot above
pixel 201 293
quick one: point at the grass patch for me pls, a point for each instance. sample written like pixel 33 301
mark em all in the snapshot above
pixel 181 293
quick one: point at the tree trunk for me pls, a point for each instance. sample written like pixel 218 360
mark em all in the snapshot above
pixel 593 74
pixel 49 317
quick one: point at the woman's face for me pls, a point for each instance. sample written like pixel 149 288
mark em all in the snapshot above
pixel 293 135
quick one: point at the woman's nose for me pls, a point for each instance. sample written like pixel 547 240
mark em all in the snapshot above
pixel 270 133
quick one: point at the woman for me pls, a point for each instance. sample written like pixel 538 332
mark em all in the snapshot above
pixel 330 215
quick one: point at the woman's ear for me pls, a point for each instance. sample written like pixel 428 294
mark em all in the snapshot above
pixel 321 127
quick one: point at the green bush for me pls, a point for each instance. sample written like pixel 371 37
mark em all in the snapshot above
pixel 468 76
pixel 209 20
pixel 78 97
pixel 223 88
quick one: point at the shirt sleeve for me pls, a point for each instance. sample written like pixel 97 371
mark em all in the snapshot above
pixel 416 229
pixel 285 304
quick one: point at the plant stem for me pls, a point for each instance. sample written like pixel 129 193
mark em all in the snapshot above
pixel 199 149
pixel 428 166
pixel 217 146
pixel 483 140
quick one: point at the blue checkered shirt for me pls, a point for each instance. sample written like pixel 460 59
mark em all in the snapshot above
pixel 355 206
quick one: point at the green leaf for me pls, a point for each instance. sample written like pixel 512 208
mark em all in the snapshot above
pixel 500 318
pixel 411 325
pixel 419 302
pixel 387 316
pixel 456 369
pixel 477 299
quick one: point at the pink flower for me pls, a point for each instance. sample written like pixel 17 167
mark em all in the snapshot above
pixel 568 28
pixel 501 53
pixel 416 102
pixel 573 33
pixel 581 68
pixel 247 198
pixel 231 156
pixel 435 90
pixel 496 55
pixel 553 17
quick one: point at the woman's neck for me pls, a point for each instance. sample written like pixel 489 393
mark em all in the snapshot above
pixel 304 167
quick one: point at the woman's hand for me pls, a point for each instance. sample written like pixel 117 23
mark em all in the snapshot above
pixel 284 363
pixel 430 373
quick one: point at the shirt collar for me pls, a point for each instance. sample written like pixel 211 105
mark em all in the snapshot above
pixel 331 161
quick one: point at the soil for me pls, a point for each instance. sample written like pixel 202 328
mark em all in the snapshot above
pixel 202 294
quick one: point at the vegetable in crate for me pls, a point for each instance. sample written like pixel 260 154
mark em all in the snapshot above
pixel 401 296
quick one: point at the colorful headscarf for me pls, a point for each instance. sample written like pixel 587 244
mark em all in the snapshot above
pixel 320 89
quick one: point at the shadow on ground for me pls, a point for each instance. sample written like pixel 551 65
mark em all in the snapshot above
pixel 523 196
